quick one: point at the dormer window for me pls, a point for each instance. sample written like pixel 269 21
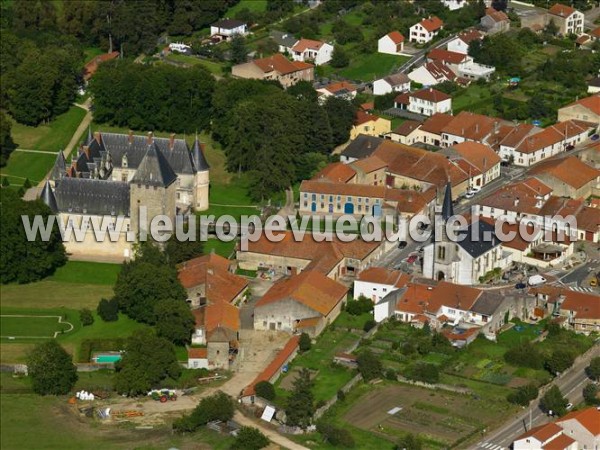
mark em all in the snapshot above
pixel 124 161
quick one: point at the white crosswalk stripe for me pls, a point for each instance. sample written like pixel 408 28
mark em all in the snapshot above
pixel 581 289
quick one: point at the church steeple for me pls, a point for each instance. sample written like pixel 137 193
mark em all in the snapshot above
pixel 447 207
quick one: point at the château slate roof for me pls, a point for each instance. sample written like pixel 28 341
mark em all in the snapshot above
pixel 47 196
pixel 154 169
pixel 484 241
pixel 60 166
pixel 90 196
pixel 200 163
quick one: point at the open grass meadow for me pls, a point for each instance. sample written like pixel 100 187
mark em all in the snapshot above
pixel 251 5
pixel 369 67
pixel 31 326
pixel 26 165
pixel 212 66
pixel 84 272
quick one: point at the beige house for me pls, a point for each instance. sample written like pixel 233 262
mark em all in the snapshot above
pixel 581 310
pixel 586 109
pixel 495 21
pixel 568 177
pixel 369 124
pixel 306 302
pixel 567 19
pixel 276 67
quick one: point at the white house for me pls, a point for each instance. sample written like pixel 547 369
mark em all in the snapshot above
pixel 432 73
pixel 583 426
pixel 391 44
pixel 460 44
pixel 197 358
pixel 426 102
pixel 398 82
pixel 225 29
pixel 341 89
pixel 308 50
pixel 453 5
pixel 425 30
pixel 376 282
pixel 461 64
pixel 567 19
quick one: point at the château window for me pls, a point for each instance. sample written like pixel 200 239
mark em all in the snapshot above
pixel 441 252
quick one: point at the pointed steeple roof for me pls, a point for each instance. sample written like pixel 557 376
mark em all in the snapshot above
pixel 154 169
pixel 447 207
pixel 47 196
pixel 89 136
pixel 200 163
pixel 60 166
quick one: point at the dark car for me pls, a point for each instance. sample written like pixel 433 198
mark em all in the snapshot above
pixel 595 137
pixel 412 258
pixel 520 285
pixel 570 147
pixel 402 244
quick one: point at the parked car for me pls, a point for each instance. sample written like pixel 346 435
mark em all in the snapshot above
pixel 595 137
pixel 536 280
pixel 412 258
pixel 402 244
pixel 520 286
pixel 475 189
pixel 470 194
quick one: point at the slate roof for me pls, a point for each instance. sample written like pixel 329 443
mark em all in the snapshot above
pixel 94 197
pixel 198 159
pixel 47 196
pixel 283 38
pixel 478 247
pixel 362 146
pixel 487 303
pixel 228 24
pixel 154 169
pixel 60 166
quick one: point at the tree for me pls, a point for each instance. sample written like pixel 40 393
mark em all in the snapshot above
pixel 500 5
pixel 554 402
pixel 369 365
pixel 369 325
pixel 265 390
pixel 362 305
pixel 304 344
pixel 593 370
pixel 249 438
pixel 215 407
pixel 523 395
pixel 590 394
pixel 239 51
pixel 559 361
pixel 409 442
pixel 5 182
pixel 336 436
pixel 51 369
pixel 341 118
pixel 303 90
pixel 22 260
pixel 300 405
pixel 174 321
pixel 339 58
pixel 86 317
pixel 148 360
pixel 524 355
pixel 551 29
pixel 7 145
pixel 427 373
pixel 179 251
pixel 108 310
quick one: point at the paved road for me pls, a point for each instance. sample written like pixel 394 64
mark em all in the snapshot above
pixel 571 384
pixel 420 55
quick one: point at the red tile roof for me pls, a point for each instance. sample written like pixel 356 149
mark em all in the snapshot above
pixel 589 418
pixel 542 432
pixel 432 23
pixel 469 36
pixel 497 16
pixel 336 172
pixel 592 103
pixel 281 64
pixel 369 164
pixel 440 71
pixel 436 123
pixel 452 296
pixel 595 32
pixel 90 68
pixel 583 305
pixel 274 366
pixel 304 44
pixel 310 288
pixel 339 86
pixel 471 126
pixel 431 95
pixel 415 298
pixel 480 155
pixel 382 275
pixel 446 56
pixel 561 10
pixel 197 353
pixel 364 117
pixel 562 442
pixel 396 37
pixel 407 127
pixel 570 170
pixel 588 219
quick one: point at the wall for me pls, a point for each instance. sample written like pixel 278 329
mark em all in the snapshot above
pixel 373 291
pixel 282 315
pixel 218 355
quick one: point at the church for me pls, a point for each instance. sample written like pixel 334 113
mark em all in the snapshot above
pixel 113 175
pixel 463 261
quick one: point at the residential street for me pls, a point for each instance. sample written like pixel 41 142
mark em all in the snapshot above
pixel 571 384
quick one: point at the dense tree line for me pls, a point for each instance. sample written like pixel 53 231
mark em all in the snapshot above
pixel 152 97
pixel 22 261
pixel 7 145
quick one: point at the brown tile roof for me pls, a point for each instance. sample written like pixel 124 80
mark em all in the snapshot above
pixel 304 44
pixel 397 79
pixel 440 71
pixel 471 35
pixel 281 64
pixel 213 271
pixel 369 164
pixel 570 170
pixel 364 117
pixel 274 366
pixel 407 127
pixel 90 68
pixel 336 172
pixel 561 10
pixel 402 99
pixel 595 32
pixel 538 141
pixel 582 39
pixel 308 323
pixel 432 23
pixel 452 296
pixel 358 190
pixel 197 353
pixel 497 16
pixel 436 123
pixel 592 103
pixel 414 298
pixel 382 275
pixel 324 256
pixel 515 135
pixel 519 197
pixel 480 155
pixel 561 442
pixel 310 288
pixel 446 56
pixel 367 106
pixel 221 314
pixel 583 305
pixel 396 37
pixel 451 335
pixel 536 187
pixel 431 95
pixel 340 86
pixel 471 126
pixel 589 418
pixel 588 219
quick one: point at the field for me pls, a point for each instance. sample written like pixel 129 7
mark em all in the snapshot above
pixel 213 67
pixel 371 67
pixel 252 5
pixel 32 326
pixel 87 272
pixel 23 165
pixel 441 418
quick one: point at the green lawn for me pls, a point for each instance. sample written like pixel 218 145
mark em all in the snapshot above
pixel 22 165
pixel 346 320
pixel 252 5
pixel 52 137
pixel 225 249
pixel 87 273
pixel 212 66
pixel 471 97
pixel 31 326
pixel 91 52
pixel 372 66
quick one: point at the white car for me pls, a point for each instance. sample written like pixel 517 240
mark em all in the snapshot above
pixel 536 280
pixel 470 194
pixel 475 189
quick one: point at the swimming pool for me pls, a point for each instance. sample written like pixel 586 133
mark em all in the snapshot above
pixel 106 358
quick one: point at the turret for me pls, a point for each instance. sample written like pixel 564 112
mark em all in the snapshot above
pixel 201 178
pixel 47 196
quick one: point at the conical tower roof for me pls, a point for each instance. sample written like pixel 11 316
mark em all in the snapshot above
pixel 200 163
pixel 48 197
pixel 154 169
pixel 60 166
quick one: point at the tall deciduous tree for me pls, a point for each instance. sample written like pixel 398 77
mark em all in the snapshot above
pixel 300 405
pixel 174 321
pixel 341 118
pixel 249 438
pixel 7 145
pixel 239 50
pixel 148 359
pixel 553 401
pixel 51 369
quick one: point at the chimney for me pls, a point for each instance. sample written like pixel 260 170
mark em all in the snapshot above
pixel 98 137
pixel 516 202
pixel 130 138
pixel 171 141
pixel 430 89
pixel 150 138
pixel 477 128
